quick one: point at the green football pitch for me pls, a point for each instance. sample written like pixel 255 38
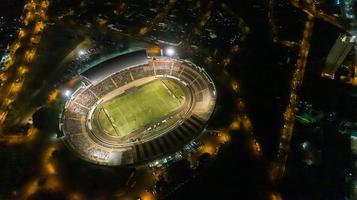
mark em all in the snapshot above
pixel 143 106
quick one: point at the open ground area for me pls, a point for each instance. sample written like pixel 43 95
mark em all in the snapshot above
pixel 140 107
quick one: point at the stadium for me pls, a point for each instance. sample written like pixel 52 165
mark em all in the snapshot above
pixel 133 109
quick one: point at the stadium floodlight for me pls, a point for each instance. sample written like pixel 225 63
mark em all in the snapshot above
pixel 81 52
pixel 67 93
pixel 170 51
pixel 54 137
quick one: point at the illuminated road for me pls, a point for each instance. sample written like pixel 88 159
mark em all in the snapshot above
pixel 274 28
pixel 202 22
pixel 19 138
pixel 242 122
pixel 48 175
pixel 162 14
pixel 204 19
pixel 311 10
pixel 278 168
pixel 245 30
pixel 17 68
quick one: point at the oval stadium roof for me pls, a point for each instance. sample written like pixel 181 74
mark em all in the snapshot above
pixel 104 69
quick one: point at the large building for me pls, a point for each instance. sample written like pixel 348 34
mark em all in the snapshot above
pixel 135 109
pixel 337 55
pixel 344 50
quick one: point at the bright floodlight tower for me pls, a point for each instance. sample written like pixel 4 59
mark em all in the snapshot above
pixel 134 110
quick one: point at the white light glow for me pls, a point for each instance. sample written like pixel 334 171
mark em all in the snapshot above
pixel 67 93
pixel 81 52
pixel 53 137
pixel 170 51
